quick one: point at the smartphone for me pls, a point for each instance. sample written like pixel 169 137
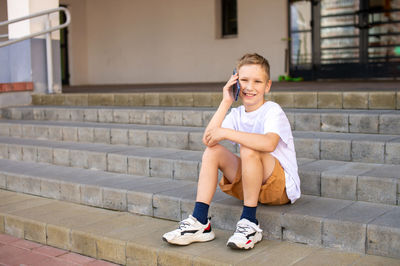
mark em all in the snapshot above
pixel 236 87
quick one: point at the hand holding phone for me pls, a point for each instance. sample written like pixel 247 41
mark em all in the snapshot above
pixel 236 87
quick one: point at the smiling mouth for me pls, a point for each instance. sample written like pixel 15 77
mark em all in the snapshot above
pixel 249 94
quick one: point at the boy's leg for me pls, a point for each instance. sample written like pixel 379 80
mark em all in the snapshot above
pixel 257 167
pixel 214 158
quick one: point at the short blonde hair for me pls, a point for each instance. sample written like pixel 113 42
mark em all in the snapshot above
pixel 254 59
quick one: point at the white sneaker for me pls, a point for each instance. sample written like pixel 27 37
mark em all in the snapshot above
pixel 247 234
pixel 190 230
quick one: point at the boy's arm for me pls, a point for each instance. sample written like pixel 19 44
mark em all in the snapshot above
pixel 218 117
pixel 259 142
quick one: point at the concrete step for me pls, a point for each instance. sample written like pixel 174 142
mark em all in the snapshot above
pixel 361 227
pixel 344 180
pixel 368 148
pixel 299 99
pixel 325 120
pixel 136 240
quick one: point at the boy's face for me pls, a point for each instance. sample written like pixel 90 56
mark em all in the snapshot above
pixel 254 83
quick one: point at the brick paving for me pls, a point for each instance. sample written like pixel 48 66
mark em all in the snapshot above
pixel 16 251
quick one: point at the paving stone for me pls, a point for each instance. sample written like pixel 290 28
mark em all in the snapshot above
pixel 341 182
pixel 307 148
pixel 284 99
pixel 310 175
pixel 154 117
pixel 160 167
pixel 70 192
pixel 207 115
pixel 137 254
pixel 77 99
pixel 111 250
pixel 355 100
pixel 119 136
pixel 202 99
pixel 332 100
pixel 14 226
pixel 117 163
pixel 97 161
pixel 79 158
pixel 225 213
pixel 177 140
pixel 31 185
pixel 192 118
pixel 307 122
pixel 389 124
pixel 76 115
pixel 102 135
pixel 15 183
pixel 27 131
pixel 384 235
pixel 41 132
pixel 114 199
pixel 186 170
pixel 70 134
pixel 29 154
pixel 382 100
pixel 92 195
pixel 137 117
pixel 50 189
pixel 305 99
pixel 140 202
pixel 195 141
pixel 3 151
pixel 3 180
pixel 346 229
pixel 90 115
pixel 83 243
pixel 61 157
pixel 334 122
pixel 336 149
pixel 121 116
pixel 379 185
pixel 98 99
pixel 392 152
pixel 216 99
pixel 173 117
pixel 55 133
pixel 38 114
pixel 44 155
pixel 363 123
pixel 304 223
pixel 85 134
pixel 368 151
pixel 138 137
pixel 58 236
pixel 15 130
pixel 138 166
pixel 35 231
pixel 105 115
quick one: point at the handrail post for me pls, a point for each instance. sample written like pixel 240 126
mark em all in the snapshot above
pixel 49 57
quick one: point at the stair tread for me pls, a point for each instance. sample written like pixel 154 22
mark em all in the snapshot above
pixel 129 234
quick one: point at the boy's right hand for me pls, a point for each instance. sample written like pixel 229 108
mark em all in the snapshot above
pixel 227 91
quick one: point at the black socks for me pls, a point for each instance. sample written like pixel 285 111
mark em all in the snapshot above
pixel 249 213
pixel 200 212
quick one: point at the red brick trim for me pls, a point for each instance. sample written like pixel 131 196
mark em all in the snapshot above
pixel 16 86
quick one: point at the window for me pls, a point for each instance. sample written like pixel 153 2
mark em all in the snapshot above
pixel 229 18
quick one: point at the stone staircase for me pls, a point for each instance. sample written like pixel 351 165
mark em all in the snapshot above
pixel 141 153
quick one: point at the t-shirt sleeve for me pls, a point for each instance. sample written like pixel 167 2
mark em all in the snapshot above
pixel 277 122
pixel 229 121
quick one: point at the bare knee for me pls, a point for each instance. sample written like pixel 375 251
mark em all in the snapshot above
pixel 248 154
pixel 213 153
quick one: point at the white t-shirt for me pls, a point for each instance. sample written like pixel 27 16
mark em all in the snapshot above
pixel 270 118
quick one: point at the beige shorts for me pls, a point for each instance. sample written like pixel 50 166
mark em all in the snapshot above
pixel 273 192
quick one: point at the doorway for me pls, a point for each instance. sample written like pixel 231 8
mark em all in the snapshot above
pixel 64 50
pixel 344 39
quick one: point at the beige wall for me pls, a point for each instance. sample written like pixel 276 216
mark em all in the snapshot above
pixel 157 41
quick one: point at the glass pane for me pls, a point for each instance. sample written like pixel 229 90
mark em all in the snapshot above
pixel 301 48
pixel 333 7
pixel 300 13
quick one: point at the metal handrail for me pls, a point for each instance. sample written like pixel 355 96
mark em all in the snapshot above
pixel 47 31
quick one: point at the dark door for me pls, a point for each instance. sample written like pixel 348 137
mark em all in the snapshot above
pixel 346 39
pixel 64 50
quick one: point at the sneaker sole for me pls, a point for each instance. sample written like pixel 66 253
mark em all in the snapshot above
pixel 253 243
pixel 185 242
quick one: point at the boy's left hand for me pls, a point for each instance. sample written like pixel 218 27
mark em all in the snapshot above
pixel 212 136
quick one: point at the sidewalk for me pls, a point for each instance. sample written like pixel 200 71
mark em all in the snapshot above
pixel 16 251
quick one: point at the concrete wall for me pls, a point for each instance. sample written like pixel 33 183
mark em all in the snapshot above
pixel 157 41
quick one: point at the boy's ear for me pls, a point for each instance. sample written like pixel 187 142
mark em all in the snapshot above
pixel 268 86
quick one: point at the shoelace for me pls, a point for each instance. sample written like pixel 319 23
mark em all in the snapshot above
pixel 184 224
pixel 242 229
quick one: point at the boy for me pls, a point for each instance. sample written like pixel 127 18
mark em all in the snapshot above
pixel 266 170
